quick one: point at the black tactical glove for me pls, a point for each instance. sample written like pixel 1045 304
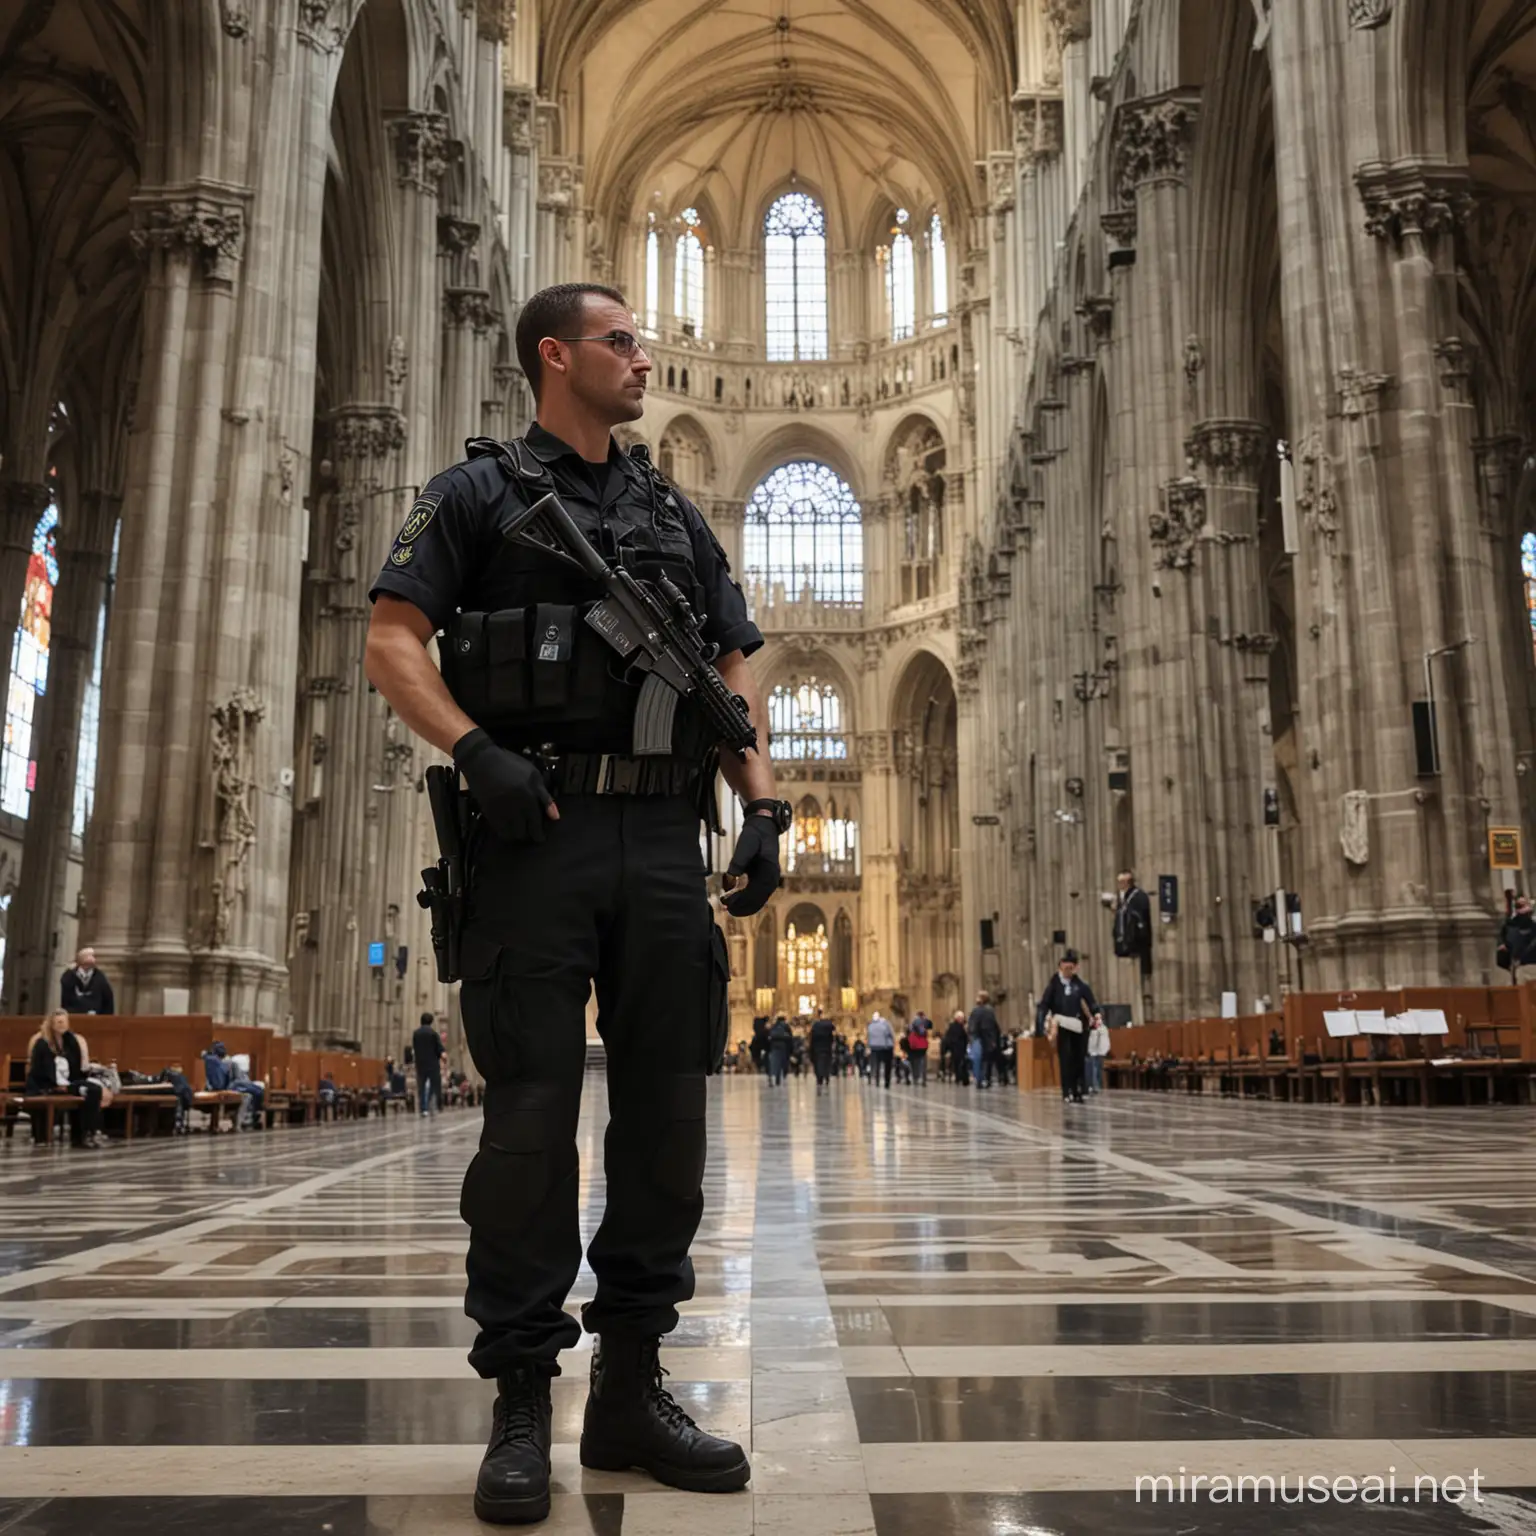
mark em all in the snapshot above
pixel 509 789
pixel 757 857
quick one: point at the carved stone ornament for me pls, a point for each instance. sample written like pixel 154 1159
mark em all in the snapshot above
pixel 517 117
pixel 1177 527
pixel 397 370
pixel 1355 827
pixel 1455 364
pixel 1360 393
pixel 1316 498
pixel 318 26
pixel 470 306
pixel 1500 462
pixel 557 185
pixel 1194 359
pixel 495 19
pixel 200 220
pixel 1071 20
pixel 232 751
pixel 1365 14
pixel 1414 198
pixel 1153 138
pixel 235 18
pixel 363 432
pixel 421 149
pixel 1097 311
pixel 1228 451
pixel 1119 226
pixel 455 236
pixel 1000 178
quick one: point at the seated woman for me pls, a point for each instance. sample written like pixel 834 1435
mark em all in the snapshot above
pixel 56 1061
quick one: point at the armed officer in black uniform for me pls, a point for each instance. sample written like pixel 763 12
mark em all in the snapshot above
pixel 584 864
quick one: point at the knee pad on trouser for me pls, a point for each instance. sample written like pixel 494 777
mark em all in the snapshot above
pixel 526 1147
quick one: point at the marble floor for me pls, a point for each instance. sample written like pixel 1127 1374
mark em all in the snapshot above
pixel 927 1312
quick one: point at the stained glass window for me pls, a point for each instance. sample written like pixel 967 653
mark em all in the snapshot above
pixel 901 280
pixel 652 275
pixel 688 279
pixel 795 271
pixel 938 260
pixel 1528 570
pixel 821 844
pixel 29 669
pixel 805 722
pixel 804 530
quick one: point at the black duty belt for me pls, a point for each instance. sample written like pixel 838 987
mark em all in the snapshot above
pixel 612 773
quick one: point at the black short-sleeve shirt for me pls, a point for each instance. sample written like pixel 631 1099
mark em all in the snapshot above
pixel 447 556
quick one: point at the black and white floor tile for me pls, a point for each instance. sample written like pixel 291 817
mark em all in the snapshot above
pixel 926 1312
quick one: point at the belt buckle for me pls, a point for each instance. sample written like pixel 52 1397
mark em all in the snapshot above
pixel 604 773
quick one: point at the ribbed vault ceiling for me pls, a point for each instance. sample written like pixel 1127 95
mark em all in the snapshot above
pixel 868 102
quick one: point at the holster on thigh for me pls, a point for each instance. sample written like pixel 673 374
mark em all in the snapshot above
pixel 658 1122
pixel 527 1146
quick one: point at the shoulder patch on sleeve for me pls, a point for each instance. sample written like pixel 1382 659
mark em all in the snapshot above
pixel 402 554
pixel 416 521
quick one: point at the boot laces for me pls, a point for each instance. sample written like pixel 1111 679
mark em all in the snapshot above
pixel 519 1414
pixel 666 1405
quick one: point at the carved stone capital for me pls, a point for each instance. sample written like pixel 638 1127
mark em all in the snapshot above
pixel 1360 393
pixel 235 18
pixel 363 432
pixel 201 219
pixel 1178 525
pixel 1038 128
pixel 1153 139
pixel 1413 197
pixel 456 236
pixel 470 306
pixel 558 185
pixel 1071 20
pixel 518 104
pixel 1365 14
pixel 1097 311
pixel 319 26
pixel 1227 452
pixel 494 20
pixel 420 142
pixel 1001 169
pixel 1119 226
pixel 1455 363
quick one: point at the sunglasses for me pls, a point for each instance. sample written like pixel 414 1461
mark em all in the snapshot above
pixel 621 342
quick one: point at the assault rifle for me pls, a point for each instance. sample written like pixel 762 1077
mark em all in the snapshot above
pixel 656 632
pixel 443 893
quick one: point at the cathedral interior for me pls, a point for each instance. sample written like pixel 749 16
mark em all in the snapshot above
pixel 1119 413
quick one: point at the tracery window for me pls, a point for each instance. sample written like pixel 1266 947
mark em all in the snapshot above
pixel 90 712
pixel 822 843
pixel 804 530
pixel 688 277
pixel 805 723
pixel 652 275
pixel 1528 571
pixel 938 265
pixel 29 668
pixel 901 280
pixel 795 273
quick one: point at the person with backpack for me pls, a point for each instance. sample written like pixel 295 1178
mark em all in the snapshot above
pixel 917 1047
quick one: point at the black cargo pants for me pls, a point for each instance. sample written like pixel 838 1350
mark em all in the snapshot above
pixel 614 894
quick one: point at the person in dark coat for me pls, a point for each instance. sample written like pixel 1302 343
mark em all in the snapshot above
pixel 84 989
pixel 1133 927
pixel 985 1035
pixel 1067 1007
pixel 1517 942
pixel 955 1046
pixel 823 1032
pixel 427 1048
pixel 780 1038
pixel 56 1063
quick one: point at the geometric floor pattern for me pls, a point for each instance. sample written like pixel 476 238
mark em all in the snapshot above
pixel 925 1311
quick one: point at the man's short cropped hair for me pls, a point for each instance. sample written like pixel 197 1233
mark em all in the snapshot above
pixel 554 311
pixel 429 1019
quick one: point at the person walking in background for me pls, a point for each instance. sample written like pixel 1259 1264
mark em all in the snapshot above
pixel 984 1032
pixel 1067 1007
pixel 822 1032
pixel 758 1050
pixel 427 1048
pixel 917 1048
pixel 882 1047
pixel 861 1058
pixel 1098 1049
pixel 955 1048
pixel 84 989
pixel 1517 942
pixel 780 1037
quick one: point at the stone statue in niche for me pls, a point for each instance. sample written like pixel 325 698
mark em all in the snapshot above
pixel 232 750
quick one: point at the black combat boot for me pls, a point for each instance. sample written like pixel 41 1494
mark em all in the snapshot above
pixel 633 1421
pixel 513 1485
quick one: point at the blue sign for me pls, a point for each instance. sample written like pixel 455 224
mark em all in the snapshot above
pixel 376 953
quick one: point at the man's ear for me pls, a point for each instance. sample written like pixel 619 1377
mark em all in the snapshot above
pixel 552 355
